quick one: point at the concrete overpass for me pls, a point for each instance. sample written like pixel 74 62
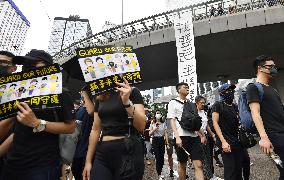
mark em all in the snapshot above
pixel 225 45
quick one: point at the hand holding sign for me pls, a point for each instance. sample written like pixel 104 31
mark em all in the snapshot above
pixel 26 115
pixel 124 90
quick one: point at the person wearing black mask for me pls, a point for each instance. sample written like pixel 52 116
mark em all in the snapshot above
pixel 268 113
pixel 34 153
pixel 226 124
pixel 6 68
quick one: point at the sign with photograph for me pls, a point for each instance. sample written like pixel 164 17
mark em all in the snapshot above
pixel 39 88
pixel 103 66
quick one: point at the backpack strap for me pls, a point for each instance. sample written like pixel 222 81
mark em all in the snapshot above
pixel 260 90
pixel 178 101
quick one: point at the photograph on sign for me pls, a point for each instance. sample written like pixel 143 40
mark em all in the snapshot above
pixel 103 66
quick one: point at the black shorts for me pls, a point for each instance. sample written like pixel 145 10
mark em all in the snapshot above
pixel 193 146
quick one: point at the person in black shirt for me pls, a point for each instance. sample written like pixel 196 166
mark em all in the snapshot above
pixel 147 141
pixel 226 125
pixel 34 153
pixel 6 67
pixel 268 112
pixel 84 114
pixel 119 116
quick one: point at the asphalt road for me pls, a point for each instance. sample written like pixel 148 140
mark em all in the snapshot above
pixel 262 169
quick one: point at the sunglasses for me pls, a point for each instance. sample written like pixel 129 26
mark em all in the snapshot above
pixel 270 66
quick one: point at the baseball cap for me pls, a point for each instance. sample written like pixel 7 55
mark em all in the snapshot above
pixel 33 55
pixel 225 87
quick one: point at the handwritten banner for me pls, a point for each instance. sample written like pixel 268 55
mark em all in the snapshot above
pixel 40 88
pixel 103 66
pixel 186 53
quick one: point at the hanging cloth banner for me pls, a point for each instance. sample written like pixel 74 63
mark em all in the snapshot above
pixel 103 66
pixel 40 88
pixel 186 52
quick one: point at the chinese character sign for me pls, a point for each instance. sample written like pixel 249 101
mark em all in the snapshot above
pixel 40 88
pixel 186 52
pixel 103 66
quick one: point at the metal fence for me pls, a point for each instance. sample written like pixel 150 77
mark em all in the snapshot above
pixel 164 20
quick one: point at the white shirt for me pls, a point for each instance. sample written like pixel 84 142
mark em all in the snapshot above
pixel 160 131
pixel 175 111
pixel 204 120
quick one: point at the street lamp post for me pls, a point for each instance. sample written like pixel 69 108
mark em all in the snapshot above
pixel 122 17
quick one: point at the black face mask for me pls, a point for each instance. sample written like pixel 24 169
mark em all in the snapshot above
pixel 4 70
pixel 228 97
pixel 273 72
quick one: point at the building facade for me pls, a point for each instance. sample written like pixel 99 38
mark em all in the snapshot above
pixel 66 31
pixel 13 27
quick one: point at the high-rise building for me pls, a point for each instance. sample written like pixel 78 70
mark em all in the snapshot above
pixel 67 31
pixel 13 27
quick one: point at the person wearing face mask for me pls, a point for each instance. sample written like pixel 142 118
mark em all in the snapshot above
pixel 157 130
pixel 268 113
pixel 226 124
pixel 6 68
pixel 34 153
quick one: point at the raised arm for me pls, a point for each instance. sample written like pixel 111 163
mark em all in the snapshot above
pixel 26 116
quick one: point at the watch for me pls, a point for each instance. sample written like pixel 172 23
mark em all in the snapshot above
pixel 40 127
pixel 128 105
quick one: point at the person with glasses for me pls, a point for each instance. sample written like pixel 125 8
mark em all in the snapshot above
pixel 226 124
pixel 268 113
pixel 185 140
pixel 6 68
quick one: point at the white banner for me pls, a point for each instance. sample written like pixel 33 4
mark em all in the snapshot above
pixel 186 53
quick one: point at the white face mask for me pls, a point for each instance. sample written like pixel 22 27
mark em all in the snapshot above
pixel 158 116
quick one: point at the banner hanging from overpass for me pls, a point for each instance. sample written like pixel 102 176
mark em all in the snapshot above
pixel 186 52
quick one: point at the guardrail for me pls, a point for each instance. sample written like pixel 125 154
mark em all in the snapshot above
pixel 164 20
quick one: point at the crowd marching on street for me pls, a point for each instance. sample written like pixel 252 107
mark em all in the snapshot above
pixel 116 134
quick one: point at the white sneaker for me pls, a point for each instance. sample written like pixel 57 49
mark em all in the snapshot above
pixel 161 177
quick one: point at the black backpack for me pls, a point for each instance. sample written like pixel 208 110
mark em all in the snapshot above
pixel 190 120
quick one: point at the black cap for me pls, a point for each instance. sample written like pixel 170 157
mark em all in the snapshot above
pixel 33 55
pixel 225 87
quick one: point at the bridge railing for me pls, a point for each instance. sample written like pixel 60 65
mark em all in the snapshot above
pixel 200 11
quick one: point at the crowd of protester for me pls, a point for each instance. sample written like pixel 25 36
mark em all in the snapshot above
pixel 116 135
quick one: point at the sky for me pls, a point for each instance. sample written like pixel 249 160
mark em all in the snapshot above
pixel 97 11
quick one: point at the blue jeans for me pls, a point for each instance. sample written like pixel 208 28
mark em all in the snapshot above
pixel 51 172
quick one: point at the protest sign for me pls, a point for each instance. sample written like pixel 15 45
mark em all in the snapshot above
pixel 39 88
pixel 103 66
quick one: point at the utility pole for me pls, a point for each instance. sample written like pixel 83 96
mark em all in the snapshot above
pixel 122 17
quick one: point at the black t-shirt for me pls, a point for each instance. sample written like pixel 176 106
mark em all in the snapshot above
pixel 271 108
pixel 113 116
pixel 30 150
pixel 146 133
pixel 228 122
pixel 87 122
